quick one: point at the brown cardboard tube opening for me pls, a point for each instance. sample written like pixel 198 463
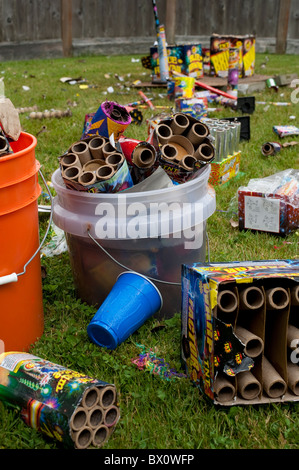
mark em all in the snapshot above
pixel 90 397
pixel 224 389
pixel 115 159
pixel 83 438
pixel 107 396
pixel 295 295
pixel 273 383
pixel 143 157
pixel 169 152
pixel 204 152
pixel 292 337
pixel 197 133
pixel 72 173
pixel 93 165
pixel 179 123
pixel 277 298
pixel 96 147
pixel 82 150
pixel 108 149
pixel 111 416
pixel 253 344
pixel 293 377
pixel 100 435
pixel 251 298
pixel 188 162
pixel 78 419
pixel 105 172
pixel 87 178
pixel 227 301
pixel 267 149
pixel 70 159
pixel 248 386
pixel 95 416
pixel 164 133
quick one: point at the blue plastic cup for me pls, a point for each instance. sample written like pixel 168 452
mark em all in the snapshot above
pixel 132 300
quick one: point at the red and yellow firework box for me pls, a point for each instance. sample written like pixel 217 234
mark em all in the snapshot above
pixel 240 330
pixel 219 54
pixel 228 168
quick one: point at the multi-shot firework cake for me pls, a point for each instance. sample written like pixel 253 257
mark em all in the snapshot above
pixel 70 407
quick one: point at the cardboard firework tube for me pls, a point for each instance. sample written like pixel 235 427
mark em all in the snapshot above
pixel 224 389
pixel 107 397
pixel 227 301
pixel 270 148
pixel 72 173
pixel 93 165
pixel 273 383
pixel 82 438
pixel 163 132
pixel 95 146
pixel 90 397
pixel 204 152
pixel 253 344
pixel 295 295
pixel 111 416
pixel 251 298
pixel 169 152
pixel 81 149
pixel 86 178
pixel 115 159
pixel 182 145
pixel 144 155
pixel 78 419
pixel 100 435
pixel 105 172
pixel 277 298
pixel 293 377
pixel 188 162
pixel 292 336
pixel 95 416
pixel 179 123
pixel 108 149
pixel 248 386
pixel 197 133
pixel 70 159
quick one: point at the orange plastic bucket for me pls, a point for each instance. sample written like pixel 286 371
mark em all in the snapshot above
pixel 21 301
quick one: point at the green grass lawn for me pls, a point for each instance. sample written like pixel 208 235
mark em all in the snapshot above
pixel 155 413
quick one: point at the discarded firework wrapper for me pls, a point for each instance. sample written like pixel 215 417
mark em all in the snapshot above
pixel 110 118
pixel 73 408
pixel 141 157
pixel 284 131
pixel 94 165
pixel 270 148
pixel 183 145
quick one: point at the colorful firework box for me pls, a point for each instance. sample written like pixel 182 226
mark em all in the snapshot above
pixel 270 204
pixel 185 59
pixel 196 107
pixel 219 54
pixel 228 168
pixel 239 330
pixel 50 396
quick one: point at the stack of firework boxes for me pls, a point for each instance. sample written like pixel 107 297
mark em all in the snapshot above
pixel 240 330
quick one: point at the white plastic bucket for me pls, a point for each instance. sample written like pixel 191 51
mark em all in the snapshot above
pixel 150 232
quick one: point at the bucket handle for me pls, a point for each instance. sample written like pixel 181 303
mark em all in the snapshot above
pixel 13 277
pixel 128 269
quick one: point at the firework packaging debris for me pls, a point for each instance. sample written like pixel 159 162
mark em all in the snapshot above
pixel 270 148
pixel 70 407
pixel 141 157
pixel 110 118
pixel 270 204
pixel 196 107
pixel 183 144
pixel 94 165
pixel 284 131
pixel 219 54
pixel 239 330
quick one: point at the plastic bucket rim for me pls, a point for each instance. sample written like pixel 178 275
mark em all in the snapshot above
pixel 20 153
pixel 147 279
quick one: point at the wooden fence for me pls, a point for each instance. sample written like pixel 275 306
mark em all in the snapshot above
pixel 55 28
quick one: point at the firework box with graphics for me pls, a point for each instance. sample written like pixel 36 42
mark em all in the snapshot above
pixel 196 107
pixel 219 54
pixel 70 407
pixel 175 61
pixel 270 204
pixel 225 170
pixel 193 61
pixel 239 330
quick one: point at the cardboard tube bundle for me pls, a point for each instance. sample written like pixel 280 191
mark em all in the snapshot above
pixel 224 389
pixel 273 383
pixel 253 344
pixel 82 404
pixel 248 386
